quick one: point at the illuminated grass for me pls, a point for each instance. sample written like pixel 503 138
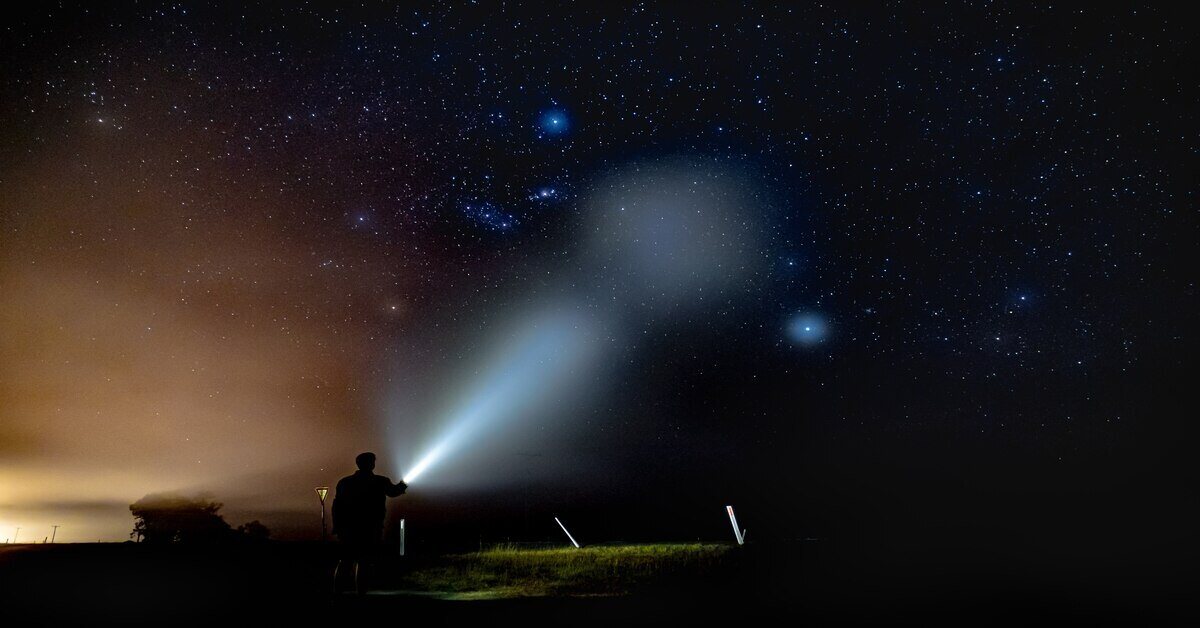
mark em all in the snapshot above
pixel 603 570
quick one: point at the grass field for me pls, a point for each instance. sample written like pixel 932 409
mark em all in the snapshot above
pixel 597 571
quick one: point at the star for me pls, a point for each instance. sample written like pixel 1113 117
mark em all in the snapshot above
pixel 545 194
pixel 489 216
pixel 554 122
pixel 807 328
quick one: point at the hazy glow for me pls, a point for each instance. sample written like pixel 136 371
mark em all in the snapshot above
pixel 116 384
pixel 673 236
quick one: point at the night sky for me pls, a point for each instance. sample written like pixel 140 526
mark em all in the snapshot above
pixel 921 267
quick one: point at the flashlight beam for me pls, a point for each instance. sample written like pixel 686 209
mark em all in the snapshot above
pixel 530 370
pixel 564 529
pixel 437 452
pixel 422 465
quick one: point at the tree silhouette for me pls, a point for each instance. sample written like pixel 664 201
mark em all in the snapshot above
pixel 175 518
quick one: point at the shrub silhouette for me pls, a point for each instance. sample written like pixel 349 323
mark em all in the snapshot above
pixel 254 531
pixel 174 518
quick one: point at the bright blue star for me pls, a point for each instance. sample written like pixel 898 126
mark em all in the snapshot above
pixel 807 328
pixel 554 122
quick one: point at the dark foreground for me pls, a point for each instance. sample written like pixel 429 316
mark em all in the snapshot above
pixel 810 582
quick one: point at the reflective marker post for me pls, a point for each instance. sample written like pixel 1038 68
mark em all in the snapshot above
pixel 401 537
pixel 738 533
pixel 564 529
pixel 322 491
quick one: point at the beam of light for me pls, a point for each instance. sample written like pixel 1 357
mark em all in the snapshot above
pixel 429 458
pixel 531 371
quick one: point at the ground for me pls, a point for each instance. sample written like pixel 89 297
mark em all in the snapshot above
pixel 627 585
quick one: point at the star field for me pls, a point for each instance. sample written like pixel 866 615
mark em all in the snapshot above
pixel 989 201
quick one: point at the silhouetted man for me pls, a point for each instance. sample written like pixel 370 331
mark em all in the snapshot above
pixel 359 506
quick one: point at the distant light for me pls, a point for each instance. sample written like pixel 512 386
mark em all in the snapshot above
pixel 554 122
pixel 807 328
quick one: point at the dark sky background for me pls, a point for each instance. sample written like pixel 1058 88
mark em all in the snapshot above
pixel 241 244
